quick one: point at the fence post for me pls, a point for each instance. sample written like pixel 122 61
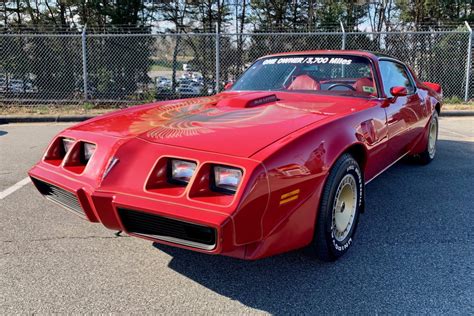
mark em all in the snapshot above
pixel 84 62
pixel 217 59
pixel 343 46
pixel 468 62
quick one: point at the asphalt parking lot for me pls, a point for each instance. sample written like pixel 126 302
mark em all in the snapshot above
pixel 414 250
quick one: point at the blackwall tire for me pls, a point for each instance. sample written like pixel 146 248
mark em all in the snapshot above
pixel 339 209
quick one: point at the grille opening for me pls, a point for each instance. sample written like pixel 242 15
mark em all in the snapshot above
pixel 59 195
pixel 168 229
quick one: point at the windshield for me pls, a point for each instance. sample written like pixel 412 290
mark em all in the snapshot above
pixel 326 74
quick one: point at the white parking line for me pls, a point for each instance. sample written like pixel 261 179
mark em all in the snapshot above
pixel 14 187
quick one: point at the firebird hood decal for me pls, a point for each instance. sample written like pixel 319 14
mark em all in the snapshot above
pixel 177 120
pixel 220 123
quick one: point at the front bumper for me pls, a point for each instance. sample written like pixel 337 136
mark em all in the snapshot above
pixel 169 223
pixel 73 195
pixel 236 230
pixel 192 217
pixel 168 229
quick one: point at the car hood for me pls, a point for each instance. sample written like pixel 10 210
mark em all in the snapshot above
pixel 238 124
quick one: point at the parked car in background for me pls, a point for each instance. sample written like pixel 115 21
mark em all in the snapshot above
pixel 15 85
pixel 197 77
pixel 189 88
pixel 279 161
pixel 163 82
pixel 3 84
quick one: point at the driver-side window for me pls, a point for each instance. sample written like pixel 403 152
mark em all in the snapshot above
pixel 395 75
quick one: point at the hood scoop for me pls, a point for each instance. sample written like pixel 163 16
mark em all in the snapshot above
pixel 248 100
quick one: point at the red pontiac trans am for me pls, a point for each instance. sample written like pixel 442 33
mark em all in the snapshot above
pixel 278 161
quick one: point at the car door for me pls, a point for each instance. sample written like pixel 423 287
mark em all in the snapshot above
pixel 403 112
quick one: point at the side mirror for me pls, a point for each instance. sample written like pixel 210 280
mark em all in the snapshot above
pixel 399 91
pixel 228 85
pixel 434 86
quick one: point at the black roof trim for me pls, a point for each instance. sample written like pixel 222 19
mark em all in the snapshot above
pixel 378 54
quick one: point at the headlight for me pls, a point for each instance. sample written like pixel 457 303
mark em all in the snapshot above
pixel 182 171
pixel 88 151
pixel 227 179
pixel 67 144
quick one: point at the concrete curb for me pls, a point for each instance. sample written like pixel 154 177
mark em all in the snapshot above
pixel 44 119
pixel 457 113
pixel 79 118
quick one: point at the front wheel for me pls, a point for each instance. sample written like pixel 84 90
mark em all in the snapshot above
pixel 339 209
pixel 430 151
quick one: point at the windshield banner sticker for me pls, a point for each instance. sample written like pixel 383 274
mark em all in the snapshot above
pixel 308 60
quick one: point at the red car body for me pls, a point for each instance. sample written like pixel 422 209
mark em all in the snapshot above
pixel 284 142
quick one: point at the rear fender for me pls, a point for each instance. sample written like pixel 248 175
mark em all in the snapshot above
pixel 422 142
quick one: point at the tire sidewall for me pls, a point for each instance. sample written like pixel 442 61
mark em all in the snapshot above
pixel 338 248
pixel 434 120
pixel 425 157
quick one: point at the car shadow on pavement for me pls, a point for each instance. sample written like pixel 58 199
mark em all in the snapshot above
pixel 409 254
pixel 3 133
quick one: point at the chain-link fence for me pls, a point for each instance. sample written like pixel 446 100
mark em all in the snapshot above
pixel 136 68
pixel 439 57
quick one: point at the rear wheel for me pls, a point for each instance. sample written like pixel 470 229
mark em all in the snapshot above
pixel 338 215
pixel 429 154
